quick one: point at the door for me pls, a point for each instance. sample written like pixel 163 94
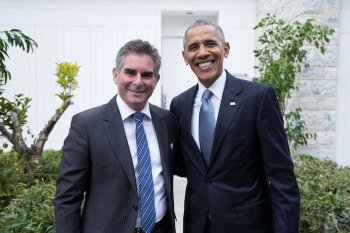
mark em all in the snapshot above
pixel 176 76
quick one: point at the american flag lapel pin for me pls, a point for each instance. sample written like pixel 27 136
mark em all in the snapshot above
pixel 232 103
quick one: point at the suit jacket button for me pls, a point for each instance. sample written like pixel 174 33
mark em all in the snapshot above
pixel 135 207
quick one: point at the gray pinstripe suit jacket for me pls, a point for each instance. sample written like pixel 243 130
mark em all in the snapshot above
pixel 96 161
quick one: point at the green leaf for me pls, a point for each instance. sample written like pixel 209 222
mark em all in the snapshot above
pixel 281 57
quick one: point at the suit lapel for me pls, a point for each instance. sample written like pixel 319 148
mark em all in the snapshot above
pixel 115 132
pixel 230 104
pixel 187 113
pixel 187 122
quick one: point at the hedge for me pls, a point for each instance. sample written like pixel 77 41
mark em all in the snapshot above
pixel 325 195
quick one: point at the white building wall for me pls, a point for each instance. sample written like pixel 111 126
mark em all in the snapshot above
pixel 90 33
pixel 89 37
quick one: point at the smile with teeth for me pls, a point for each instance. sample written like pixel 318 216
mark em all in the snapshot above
pixel 204 64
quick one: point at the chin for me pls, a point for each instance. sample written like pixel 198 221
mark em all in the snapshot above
pixel 206 79
pixel 136 106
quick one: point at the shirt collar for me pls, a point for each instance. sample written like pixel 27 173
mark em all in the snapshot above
pixel 217 88
pixel 126 111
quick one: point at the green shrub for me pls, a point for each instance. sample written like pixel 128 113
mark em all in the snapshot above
pixel 31 210
pixel 12 173
pixel 26 198
pixel 325 195
pixel 48 165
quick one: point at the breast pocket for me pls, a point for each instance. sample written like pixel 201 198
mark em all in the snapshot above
pixel 236 135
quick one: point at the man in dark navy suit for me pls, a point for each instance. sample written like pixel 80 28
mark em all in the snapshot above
pixel 246 182
pixel 101 158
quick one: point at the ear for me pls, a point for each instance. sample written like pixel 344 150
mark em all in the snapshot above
pixel 226 49
pixel 115 75
pixel 184 55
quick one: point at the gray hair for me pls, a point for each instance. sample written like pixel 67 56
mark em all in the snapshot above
pixel 202 22
pixel 139 47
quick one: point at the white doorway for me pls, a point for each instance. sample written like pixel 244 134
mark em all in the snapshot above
pixel 176 77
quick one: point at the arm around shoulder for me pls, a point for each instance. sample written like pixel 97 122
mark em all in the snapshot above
pixel 179 164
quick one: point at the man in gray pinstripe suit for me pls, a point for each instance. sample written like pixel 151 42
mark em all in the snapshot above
pixel 99 156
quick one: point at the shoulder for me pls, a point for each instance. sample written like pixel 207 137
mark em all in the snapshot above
pixel 162 112
pixel 246 84
pixel 92 114
pixel 249 88
pixel 185 96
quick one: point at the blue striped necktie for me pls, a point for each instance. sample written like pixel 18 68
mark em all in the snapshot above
pixel 206 125
pixel 144 167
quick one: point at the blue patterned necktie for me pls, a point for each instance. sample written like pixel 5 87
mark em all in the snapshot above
pixel 144 167
pixel 206 125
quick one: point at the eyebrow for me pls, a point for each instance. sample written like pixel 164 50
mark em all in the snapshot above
pixel 132 71
pixel 205 42
pixel 210 41
pixel 129 70
pixel 192 45
pixel 147 73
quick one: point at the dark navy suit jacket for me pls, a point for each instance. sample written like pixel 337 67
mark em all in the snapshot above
pixel 249 185
pixel 96 161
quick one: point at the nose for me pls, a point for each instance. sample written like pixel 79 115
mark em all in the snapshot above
pixel 138 79
pixel 203 52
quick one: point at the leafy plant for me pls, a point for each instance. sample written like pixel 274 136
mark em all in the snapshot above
pixel 325 195
pixel 47 168
pixel 31 210
pixel 14 38
pixel 66 74
pixel 26 204
pixel 282 56
pixel 13 113
pixel 13 175
pixel 17 109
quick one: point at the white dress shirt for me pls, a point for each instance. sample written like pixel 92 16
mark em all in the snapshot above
pixel 157 171
pixel 217 88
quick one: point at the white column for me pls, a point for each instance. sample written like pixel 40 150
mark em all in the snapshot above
pixel 343 86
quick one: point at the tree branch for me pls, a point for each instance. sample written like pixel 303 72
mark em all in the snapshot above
pixel 4 132
pixel 16 137
pixel 45 132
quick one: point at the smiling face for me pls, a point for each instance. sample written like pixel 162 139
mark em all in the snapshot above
pixel 136 80
pixel 205 53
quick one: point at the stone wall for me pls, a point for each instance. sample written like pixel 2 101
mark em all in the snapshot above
pixel 317 84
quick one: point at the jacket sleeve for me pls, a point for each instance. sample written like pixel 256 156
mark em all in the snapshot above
pixel 72 179
pixel 278 165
